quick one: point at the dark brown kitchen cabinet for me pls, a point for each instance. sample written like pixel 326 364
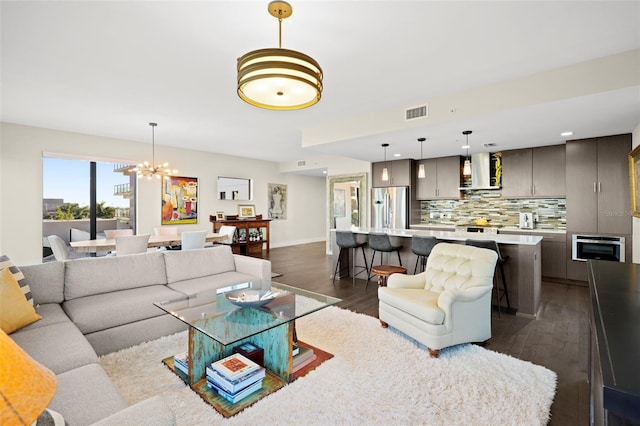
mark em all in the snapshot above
pixel 442 178
pixel 534 172
pixel 597 173
pixel 400 173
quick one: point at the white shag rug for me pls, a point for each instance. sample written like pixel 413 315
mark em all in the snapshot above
pixel 377 377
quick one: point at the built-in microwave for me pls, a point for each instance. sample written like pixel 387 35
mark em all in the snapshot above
pixel 597 247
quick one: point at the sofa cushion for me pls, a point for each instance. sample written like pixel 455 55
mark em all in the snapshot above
pixel 59 347
pixel 416 302
pixel 15 311
pixel 86 395
pixel 150 412
pixel 103 311
pixel 90 276
pixel 198 285
pixel 6 263
pixel 51 313
pixel 46 281
pixel 189 264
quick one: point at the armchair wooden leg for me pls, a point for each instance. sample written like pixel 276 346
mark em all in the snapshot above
pixel 383 324
pixel 435 353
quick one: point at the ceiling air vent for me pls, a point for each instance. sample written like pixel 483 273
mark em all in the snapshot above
pixel 302 163
pixel 488 145
pixel 414 113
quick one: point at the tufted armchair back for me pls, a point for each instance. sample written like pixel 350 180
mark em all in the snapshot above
pixel 459 267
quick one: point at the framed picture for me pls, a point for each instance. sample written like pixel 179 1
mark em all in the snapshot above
pixel 179 200
pixel 634 174
pixel 339 207
pixel 246 210
pixel 219 215
pixel 277 195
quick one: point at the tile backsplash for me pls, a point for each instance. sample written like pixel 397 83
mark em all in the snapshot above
pixel 550 213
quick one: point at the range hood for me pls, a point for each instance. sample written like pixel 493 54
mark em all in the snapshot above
pixel 480 172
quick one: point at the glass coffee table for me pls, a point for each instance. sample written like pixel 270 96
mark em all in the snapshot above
pixel 217 326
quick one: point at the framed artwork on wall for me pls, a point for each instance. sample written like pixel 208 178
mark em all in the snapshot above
pixel 634 174
pixel 277 196
pixel 179 200
pixel 246 210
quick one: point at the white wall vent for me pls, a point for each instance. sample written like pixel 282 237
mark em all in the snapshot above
pixel 414 113
pixel 488 145
pixel 302 163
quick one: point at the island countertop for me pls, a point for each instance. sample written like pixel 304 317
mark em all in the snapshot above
pixel 526 240
pixel 523 269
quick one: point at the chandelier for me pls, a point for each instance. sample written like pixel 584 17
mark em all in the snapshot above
pixel 148 170
pixel 279 79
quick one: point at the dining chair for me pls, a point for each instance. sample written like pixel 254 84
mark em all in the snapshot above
pixel 193 239
pixel 60 249
pixel 112 233
pixel 229 231
pixel 131 244
pixel 165 230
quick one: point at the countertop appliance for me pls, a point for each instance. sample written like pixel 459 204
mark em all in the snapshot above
pixel 476 228
pixel 390 207
pixel 586 247
pixel 526 220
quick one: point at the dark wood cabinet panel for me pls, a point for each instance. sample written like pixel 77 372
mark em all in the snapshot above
pixel 400 173
pixel 597 176
pixel 582 181
pixel 442 179
pixel 614 201
pixel 516 173
pixel 534 172
pixel 548 171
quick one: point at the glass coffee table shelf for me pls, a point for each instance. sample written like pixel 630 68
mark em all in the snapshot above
pixel 216 326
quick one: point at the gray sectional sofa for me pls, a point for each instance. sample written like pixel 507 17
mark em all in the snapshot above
pixel 94 306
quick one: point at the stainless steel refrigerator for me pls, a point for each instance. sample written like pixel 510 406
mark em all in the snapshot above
pixel 390 207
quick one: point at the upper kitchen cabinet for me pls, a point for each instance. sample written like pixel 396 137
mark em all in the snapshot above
pixel 598 185
pixel 442 179
pixel 400 173
pixel 534 172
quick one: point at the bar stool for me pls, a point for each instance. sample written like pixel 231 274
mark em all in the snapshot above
pixel 492 245
pixel 381 243
pixel 347 240
pixel 421 247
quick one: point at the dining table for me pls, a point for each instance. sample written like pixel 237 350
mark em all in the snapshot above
pixel 109 244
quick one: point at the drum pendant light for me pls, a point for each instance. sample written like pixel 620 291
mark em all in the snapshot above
pixel 279 79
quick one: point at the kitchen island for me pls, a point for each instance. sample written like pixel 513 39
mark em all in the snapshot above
pixel 522 269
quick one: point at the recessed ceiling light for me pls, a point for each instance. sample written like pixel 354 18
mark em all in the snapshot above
pixel 397 155
pixel 465 146
pixel 566 134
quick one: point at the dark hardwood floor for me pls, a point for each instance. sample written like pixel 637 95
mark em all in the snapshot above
pixel 557 340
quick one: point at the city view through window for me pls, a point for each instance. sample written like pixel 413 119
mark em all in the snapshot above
pixel 66 198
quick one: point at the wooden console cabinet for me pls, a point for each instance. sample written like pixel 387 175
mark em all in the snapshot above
pixel 244 227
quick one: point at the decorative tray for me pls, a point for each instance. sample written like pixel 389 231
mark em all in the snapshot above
pixel 250 298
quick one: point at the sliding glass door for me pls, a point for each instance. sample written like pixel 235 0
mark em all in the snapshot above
pixel 82 198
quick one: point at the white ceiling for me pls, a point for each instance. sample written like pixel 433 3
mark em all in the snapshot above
pixel 109 67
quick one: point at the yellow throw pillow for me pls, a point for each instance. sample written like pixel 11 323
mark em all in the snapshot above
pixel 15 311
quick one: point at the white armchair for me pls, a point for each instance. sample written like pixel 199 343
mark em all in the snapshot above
pixel 447 304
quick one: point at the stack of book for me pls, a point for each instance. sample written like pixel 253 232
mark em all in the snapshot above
pixel 302 356
pixel 235 377
pixel 181 362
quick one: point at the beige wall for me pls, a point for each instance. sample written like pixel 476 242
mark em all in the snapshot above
pixel 21 152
